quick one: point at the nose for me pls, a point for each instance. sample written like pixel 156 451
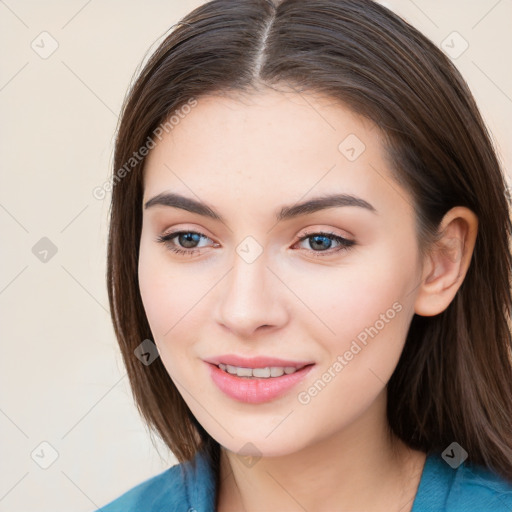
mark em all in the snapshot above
pixel 251 299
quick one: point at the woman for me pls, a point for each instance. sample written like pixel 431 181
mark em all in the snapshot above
pixel 309 266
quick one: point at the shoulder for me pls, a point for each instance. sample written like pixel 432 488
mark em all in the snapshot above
pixel 465 488
pixel 478 488
pixel 166 488
pixel 184 487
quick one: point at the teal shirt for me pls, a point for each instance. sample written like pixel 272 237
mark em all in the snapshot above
pixel 181 489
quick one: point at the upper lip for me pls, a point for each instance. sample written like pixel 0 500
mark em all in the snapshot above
pixel 255 362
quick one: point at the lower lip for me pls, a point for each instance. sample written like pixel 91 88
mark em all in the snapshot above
pixel 256 390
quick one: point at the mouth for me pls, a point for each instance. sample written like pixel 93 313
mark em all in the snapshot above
pixel 256 385
pixel 267 372
pixel 257 366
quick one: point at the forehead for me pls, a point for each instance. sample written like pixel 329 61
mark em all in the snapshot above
pixel 271 146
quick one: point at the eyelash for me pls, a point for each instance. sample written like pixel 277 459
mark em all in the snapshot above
pixel 345 244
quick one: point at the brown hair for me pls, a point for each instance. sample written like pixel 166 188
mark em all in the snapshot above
pixel 453 381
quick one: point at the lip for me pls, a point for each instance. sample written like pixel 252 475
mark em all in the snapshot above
pixel 255 362
pixel 256 390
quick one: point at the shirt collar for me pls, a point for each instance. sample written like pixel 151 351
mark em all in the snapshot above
pixel 200 483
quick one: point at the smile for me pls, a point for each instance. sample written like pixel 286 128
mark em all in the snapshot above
pixel 256 385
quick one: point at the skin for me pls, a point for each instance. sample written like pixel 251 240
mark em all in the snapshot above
pixel 247 157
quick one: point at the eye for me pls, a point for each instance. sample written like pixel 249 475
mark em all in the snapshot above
pixel 321 239
pixel 188 240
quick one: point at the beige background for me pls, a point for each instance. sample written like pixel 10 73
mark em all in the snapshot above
pixel 62 379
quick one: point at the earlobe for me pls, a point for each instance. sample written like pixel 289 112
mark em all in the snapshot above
pixel 447 263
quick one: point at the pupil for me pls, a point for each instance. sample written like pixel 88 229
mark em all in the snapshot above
pixel 315 238
pixel 188 238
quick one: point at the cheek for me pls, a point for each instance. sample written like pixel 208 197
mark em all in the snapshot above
pixel 368 305
pixel 369 315
pixel 172 301
pixel 153 289
pixel 161 291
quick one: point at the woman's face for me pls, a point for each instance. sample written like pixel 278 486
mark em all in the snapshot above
pixel 257 286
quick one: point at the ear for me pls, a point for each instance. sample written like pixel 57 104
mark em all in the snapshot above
pixel 447 263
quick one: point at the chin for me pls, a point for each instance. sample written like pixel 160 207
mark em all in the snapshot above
pixel 259 445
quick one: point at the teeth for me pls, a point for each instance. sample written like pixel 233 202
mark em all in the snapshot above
pixel 264 373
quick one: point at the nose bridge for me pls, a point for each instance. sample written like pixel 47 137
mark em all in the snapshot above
pixel 249 294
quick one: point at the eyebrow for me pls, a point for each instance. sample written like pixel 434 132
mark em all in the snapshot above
pixel 285 213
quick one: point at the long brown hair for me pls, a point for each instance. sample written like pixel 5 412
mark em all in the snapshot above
pixel 453 381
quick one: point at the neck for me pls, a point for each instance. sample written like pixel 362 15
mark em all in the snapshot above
pixel 361 467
